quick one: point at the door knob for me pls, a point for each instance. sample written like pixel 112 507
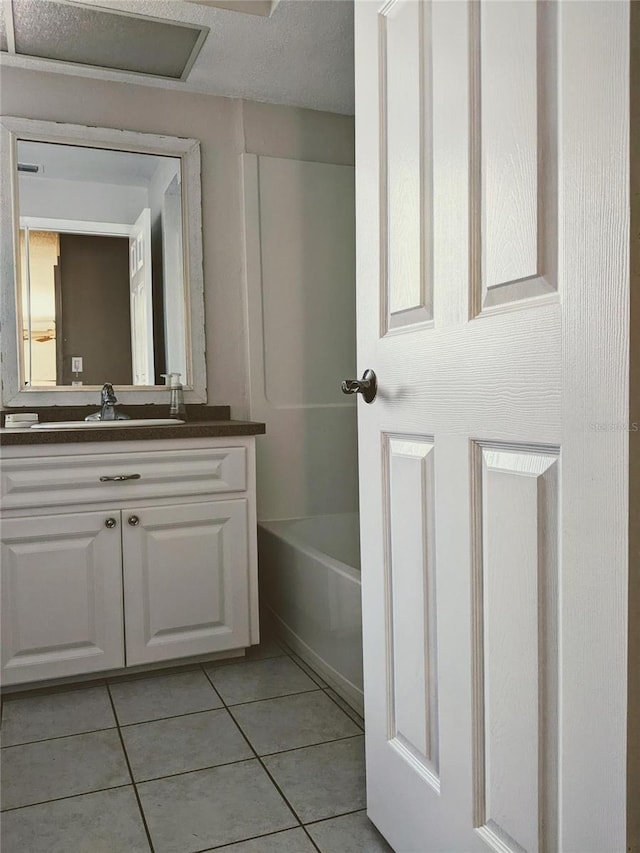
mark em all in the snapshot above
pixel 367 386
pixel 110 523
pixel 134 521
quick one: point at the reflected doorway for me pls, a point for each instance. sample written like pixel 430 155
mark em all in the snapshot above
pixel 80 296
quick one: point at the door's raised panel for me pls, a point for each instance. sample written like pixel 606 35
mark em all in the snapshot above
pixel 516 671
pixel 61 596
pixel 514 160
pixel 412 664
pixel 406 164
pixel 58 480
pixel 186 580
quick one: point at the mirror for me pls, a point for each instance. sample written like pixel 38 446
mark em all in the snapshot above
pixel 106 261
pixel 101 265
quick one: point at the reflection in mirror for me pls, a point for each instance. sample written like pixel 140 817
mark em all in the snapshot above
pixel 102 275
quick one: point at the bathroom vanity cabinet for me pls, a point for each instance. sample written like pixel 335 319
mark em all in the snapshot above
pixel 126 553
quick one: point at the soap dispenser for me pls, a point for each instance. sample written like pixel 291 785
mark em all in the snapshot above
pixel 176 400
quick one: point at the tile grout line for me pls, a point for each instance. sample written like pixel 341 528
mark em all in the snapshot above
pixel 133 782
pixel 266 770
pixel 68 797
pixel 313 843
pixel 279 696
pixel 308 745
pixel 170 717
pixel 252 838
pixel 195 770
pixel 59 737
pixel 334 817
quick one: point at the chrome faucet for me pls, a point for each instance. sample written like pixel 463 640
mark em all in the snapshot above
pixel 108 402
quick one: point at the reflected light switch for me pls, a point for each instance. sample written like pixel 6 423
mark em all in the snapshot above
pixel 76 363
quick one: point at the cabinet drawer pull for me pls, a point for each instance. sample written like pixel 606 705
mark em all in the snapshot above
pixel 118 478
pixel 110 523
pixel 134 521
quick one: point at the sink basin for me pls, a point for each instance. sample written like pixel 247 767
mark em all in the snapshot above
pixel 134 422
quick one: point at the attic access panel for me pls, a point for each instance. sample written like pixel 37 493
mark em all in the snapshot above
pixel 105 38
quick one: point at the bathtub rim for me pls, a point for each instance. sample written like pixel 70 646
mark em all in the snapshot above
pixel 350 573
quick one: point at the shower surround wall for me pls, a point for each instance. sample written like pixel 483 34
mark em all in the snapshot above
pixel 300 243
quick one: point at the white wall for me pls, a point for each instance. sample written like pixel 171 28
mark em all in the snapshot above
pixel 226 128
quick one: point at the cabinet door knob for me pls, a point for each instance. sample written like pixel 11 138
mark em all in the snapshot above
pixel 110 522
pixel 134 521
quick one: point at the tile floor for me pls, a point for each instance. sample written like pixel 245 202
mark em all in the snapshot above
pixel 256 756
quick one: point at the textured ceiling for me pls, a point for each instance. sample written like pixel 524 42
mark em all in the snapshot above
pixel 301 55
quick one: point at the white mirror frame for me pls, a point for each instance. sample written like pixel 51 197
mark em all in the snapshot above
pixel 188 150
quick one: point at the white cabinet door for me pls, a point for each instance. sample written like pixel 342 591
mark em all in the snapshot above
pixel 186 579
pixel 493 291
pixel 61 596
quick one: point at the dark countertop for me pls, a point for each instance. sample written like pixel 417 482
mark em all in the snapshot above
pixel 202 422
pixel 196 429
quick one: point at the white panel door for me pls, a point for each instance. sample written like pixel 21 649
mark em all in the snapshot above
pixel 492 192
pixel 61 596
pixel 141 300
pixel 186 579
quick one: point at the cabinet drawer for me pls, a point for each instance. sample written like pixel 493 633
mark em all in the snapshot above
pixel 58 481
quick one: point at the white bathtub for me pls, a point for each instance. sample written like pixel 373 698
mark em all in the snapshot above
pixel 310 581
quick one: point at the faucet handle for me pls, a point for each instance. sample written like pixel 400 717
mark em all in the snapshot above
pixel 107 394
